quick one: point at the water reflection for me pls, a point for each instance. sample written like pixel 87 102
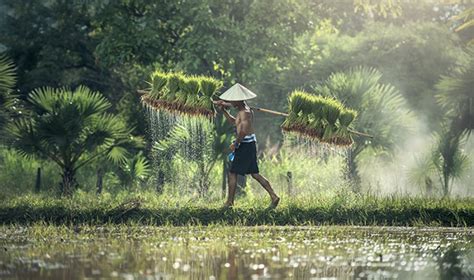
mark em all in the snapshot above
pixel 236 253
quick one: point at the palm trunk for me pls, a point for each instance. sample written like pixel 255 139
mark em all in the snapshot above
pixel 224 177
pixel 100 176
pixel 38 180
pixel 352 173
pixel 68 183
pixel 445 184
pixel 203 182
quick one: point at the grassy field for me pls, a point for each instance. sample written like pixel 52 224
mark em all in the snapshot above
pixel 342 208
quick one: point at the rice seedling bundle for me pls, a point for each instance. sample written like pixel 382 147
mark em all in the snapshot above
pixel 318 117
pixel 180 96
pixel 191 88
pixel 346 117
pixel 209 88
pixel 178 93
pixel 158 82
pixel 174 80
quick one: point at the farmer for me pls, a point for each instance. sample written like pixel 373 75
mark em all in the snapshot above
pixel 244 146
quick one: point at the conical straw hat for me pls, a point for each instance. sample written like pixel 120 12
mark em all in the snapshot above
pixel 237 93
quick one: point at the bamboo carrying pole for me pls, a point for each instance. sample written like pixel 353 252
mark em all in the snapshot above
pixel 276 113
pixel 270 111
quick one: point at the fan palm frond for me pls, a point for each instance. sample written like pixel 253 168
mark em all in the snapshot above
pixel 73 129
pixel 7 82
pixel 7 74
pixel 456 94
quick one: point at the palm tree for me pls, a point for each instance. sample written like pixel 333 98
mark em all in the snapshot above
pixel 456 94
pixel 72 128
pixel 381 112
pixel 447 157
pixel 456 98
pixel 133 171
pixel 7 82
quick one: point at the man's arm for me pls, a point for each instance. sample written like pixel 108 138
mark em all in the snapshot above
pixel 229 117
pixel 222 105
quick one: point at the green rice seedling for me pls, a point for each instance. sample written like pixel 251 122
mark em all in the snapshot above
pixel 305 114
pixel 317 108
pixel 316 127
pixel 174 80
pixel 329 132
pixel 346 117
pixel 343 135
pixel 318 123
pixel 192 88
pixel 158 83
pixel 295 101
pixel 317 117
pixel 305 104
pixel 209 87
pixel 289 121
pixel 331 110
pixel 181 93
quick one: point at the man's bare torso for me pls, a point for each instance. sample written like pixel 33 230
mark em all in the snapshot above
pixel 244 122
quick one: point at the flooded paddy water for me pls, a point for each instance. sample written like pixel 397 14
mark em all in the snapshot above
pixel 225 252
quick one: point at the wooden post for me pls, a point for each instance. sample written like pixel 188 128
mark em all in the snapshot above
pixel 289 180
pixel 241 184
pixel 224 177
pixel 100 175
pixel 38 180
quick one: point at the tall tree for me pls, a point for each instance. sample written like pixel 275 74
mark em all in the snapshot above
pixel 448 159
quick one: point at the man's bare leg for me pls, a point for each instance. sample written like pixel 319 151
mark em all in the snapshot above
pixel 232 186
pixel 266 185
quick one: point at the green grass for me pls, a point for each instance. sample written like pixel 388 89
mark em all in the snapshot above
pixel 148 208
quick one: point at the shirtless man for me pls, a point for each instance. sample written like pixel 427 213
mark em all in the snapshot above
pixel 245 149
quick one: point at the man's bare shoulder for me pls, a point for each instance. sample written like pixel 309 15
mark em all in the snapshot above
pixel 245 114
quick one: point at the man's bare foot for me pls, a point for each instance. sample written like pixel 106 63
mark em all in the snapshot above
pixel 275 202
